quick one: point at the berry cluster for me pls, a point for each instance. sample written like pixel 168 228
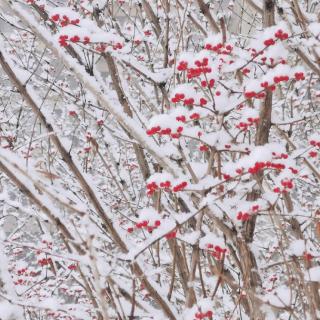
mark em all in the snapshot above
pixel 44 261
pixel 72 267
pixel 253 94
pixel 196 72
pixel 182 66
pixel 202 315
pixel 271 86
pixel 201 68
pixel 64 20
pixel 19 282
pixel 279 155
pixel 22 271
pixel 165 131
pixel 246 215
pixel 287 185
pixel 307 256
pixel 263 165
pixel 152 187
pixel 63 40
pixel 102 47
pixel 203 148
pixel 279 34
pixel 178 97
pixel 181 119
pixel 245 125
pixel 269 42
pixel 219 48
pixel 181 186
pixel 145 224
pixel 216 251
pixel 316 144
pixel 171 235
pixel 299 76
pixel 278 79
pixel 210 83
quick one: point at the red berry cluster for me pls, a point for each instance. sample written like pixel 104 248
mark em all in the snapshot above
pixel 19 282
pixel 271 87
pixel 171 235
pixel 253 94
pixel 281 35
pixel 181 119
pixel 165 131
pixel 226 176
pixel 313 154
pixel 216 251
pixel 152 187
pixel 44 261
pixel 182 66
pixel 206 83
pixel 201 68
pixel 117 46
pixel 245 125
pixel 145 224
pixel 64 38
pixel 287 185
pixel 299 76
pixel 195 116
pixel 315 144
pixel 204 148
pixel 293 170
pixel 178 97
pixel 196 72
pixel 72 113
pixel 180 186
pixel 269 42
pixel 219 48
pixel 279 155
pixel 245 216
pixel 203 102
pixel 64 20
pixel 72 267
pixel 22 271
pixel 262 165
pixel 245 71
pixel 165 185
pixel 307 256
pixel 188 102
pixel 202 315
pixel 278 79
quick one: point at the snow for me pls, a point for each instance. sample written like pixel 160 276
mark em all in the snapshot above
pixel 282 297
pixel 313 274
pixel 200 213
pixel 9 311
pixel 297 247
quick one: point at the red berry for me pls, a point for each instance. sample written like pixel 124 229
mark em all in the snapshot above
pixel 55 17
pixel 313 154
pixel 157 223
